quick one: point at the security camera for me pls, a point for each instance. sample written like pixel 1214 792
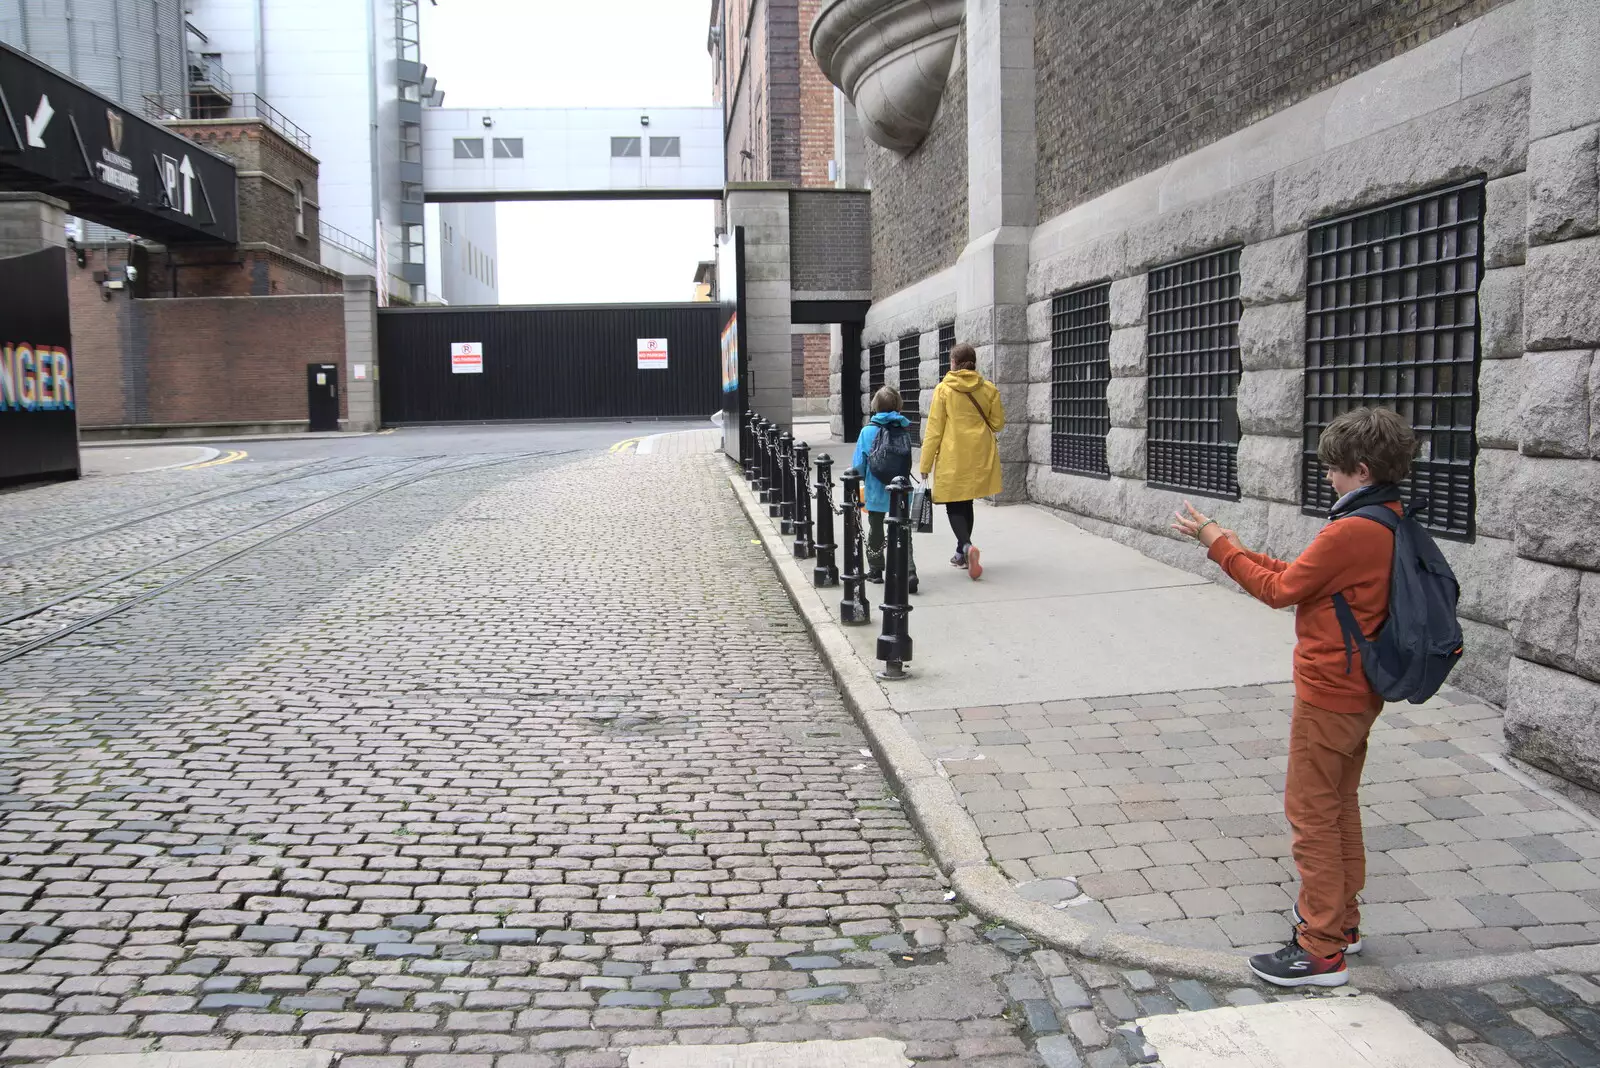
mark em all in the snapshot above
pixel 487 122
pixel 131 273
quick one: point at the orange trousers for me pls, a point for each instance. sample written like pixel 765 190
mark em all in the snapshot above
pixel 1327 751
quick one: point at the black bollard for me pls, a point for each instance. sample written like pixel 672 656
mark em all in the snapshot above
pixel 804 547
pixel 894 644
pixel 757 471
pixel 764 452
pixel 747 446
pixel 783 487
pixel 854 608
pixel 826 572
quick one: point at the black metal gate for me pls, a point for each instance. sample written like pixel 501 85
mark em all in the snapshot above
pixel 508 364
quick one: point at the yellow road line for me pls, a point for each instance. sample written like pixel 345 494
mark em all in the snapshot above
pixel 229 457
pixel 623 446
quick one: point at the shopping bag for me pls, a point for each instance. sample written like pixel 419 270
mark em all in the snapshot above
pixel 922 510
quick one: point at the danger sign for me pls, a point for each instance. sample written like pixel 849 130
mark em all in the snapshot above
pixel 652 354
pixel 466 358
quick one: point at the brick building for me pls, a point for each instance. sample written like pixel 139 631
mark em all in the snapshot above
pixel 1185 235
pixel 778 111
pixel 211 337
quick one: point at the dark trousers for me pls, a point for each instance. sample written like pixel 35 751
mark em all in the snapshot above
pixel 875 546
pixel 960 515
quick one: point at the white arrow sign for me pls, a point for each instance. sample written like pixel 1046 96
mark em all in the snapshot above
pixel 38 121
pixel 187 170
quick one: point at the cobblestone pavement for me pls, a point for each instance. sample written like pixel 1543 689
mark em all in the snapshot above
pixel 516 768
pixel 521 766
pixel 1166 812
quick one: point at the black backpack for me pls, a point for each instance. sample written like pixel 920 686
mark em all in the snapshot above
pixel 1420 642
pixel 890 455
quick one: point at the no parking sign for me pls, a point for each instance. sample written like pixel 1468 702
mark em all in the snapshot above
pixel 652 354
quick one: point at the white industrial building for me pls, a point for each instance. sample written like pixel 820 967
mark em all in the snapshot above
pixel 348 73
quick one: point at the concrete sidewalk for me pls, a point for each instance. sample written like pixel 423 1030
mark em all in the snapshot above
pixel 1114 732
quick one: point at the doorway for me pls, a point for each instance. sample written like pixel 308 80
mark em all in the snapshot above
pixel 322 395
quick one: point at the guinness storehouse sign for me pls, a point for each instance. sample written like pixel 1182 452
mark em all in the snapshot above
pixel 110 165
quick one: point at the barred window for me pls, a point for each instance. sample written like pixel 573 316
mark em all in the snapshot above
pixel 1080 367
pixel 874 372
pixel 1392 321
pixel 911 382
pixel 1193 356
pixel 947 341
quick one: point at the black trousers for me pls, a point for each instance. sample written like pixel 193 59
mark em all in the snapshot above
pixel 875 546
pixel 960 515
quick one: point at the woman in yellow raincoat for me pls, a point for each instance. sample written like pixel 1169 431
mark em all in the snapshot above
pixel 959 448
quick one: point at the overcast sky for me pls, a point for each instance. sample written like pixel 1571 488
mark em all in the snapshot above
pixel 594 53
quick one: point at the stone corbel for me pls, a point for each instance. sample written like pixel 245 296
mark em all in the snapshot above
pixel 892 58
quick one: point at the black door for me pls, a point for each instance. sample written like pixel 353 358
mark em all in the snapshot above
pixel 322 395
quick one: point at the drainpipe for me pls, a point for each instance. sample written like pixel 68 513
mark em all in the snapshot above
pixel 261 49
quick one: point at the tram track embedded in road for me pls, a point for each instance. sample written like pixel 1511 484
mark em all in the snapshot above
pixel 308 470
pixel 151 594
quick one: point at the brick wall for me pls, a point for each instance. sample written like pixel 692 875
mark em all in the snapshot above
pixel 1125 86
pixel 919 215
pixel 236 359
pixel 828 241
pixel 207 359
pixel 816 366
pixel 816 106
pixel 269 167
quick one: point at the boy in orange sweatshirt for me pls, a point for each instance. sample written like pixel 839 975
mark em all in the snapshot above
pixel 1367 451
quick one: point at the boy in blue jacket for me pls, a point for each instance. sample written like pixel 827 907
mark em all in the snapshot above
pixel 886 419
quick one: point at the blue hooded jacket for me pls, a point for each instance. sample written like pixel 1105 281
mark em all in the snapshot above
pixel 877 492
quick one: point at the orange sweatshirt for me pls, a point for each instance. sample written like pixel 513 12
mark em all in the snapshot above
pixel 1352 556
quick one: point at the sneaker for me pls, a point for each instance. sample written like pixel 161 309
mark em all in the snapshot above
pixel 1352 935
pixel 911 584
pixel 974 568
pixel 958 560
pixel 1293 966
pixel 875 577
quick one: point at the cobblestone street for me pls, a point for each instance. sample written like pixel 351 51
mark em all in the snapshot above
pixel 493 761
pixel 532 761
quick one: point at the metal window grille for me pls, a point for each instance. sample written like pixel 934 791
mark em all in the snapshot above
pixel 1193 365
pixel 874 372
pixel 911 382
pixel 947 341
pixel 1392 321
pixel 1080 367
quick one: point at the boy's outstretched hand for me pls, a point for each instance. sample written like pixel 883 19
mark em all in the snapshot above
pixel 1203 529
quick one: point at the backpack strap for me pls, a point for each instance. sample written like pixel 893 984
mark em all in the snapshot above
pixel 1378 513
pixel 1349 629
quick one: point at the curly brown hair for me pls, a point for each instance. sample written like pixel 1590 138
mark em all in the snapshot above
pixel 1377 437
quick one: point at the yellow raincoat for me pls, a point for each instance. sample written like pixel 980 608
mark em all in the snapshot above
pixel 958 445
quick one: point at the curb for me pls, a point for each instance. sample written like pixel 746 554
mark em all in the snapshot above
pixel 958 850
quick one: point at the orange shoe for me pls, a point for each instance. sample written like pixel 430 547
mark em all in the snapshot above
pixel 974 568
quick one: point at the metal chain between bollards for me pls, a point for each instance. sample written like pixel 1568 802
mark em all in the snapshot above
pixel 826 572
pixel 747 448
pixel 786 484
pixel 804 547
pixel 853 609
pixel 894 643
pixel 763 461
pixel 775 459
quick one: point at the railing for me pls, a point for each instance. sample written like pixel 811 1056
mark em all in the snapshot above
pixel 332 235
pixel 207 73
pixel 170 108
